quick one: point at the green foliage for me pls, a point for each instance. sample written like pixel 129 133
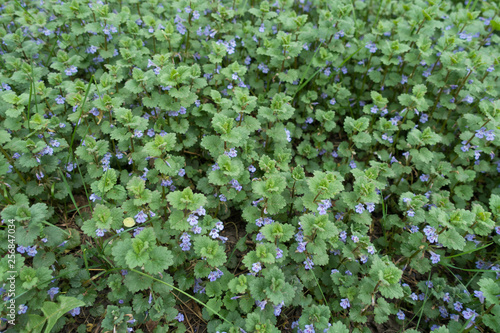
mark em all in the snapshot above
pixel 316 164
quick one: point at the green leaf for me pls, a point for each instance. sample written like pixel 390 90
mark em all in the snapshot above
pixel 4 136
pixel 491 290
pixel 452 239
pixel 493 320
pixel 54 311
pixel 392 291
pixel 160 258
pixel 108 181
pixel 338 327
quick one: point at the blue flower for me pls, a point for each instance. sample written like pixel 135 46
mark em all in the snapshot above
pixel 100 232
pixel 71 70
pixel 371 47
pixel 279 253
pixel 31 251
pixel 94 197
pixel 480 295
pixel 288 137
pixel 469 99
pixel 60 99
pixel 22 309
pixel 424 178
pixel 469 314
pixel 344 303
pixel 140 217
pixel 75 312
pixel 256 267
pixel 308 263
pixel 309 329
pixel 360 208
pixel 435 258
pixel 91 49
pixel 52 292
pixel 401 315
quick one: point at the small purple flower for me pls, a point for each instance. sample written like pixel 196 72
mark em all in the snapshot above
pixel 179 317
pixel 308 263
pixel 469 314
pixel 490 136
pixel 137 231
pixel 94 197
pixel 288 137
pixel 401 315
pixel 100 232
pixel 31 251
pixel 344 303
pixel 469 99
pixel 60 99
pixel 457 306
pixel 22 309
pixel 214 233
pixel 140 217
pixel 91 49
pixel 75 312
pixel 71 70
pixel 52 292
pixel 371 47
pixel 480 132
pixel 256 267
pixel 279 253
pixel 435 258
pixel 277 309
pixel 480 295
pixel 301 247
pixel 370 206
pixel 309 329
pixel 360 208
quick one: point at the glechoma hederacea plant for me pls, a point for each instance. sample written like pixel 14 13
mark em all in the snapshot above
pixel 250 166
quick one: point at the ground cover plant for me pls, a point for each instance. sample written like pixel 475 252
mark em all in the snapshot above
pixel 250 166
